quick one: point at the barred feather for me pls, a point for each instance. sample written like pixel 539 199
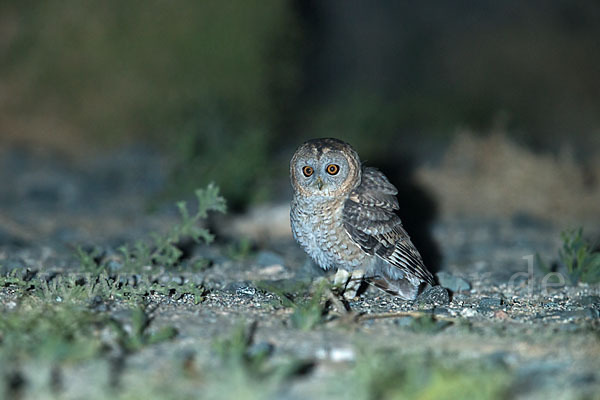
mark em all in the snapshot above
pixel 370 221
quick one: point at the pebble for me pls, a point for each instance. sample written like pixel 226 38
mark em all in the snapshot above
pixel 336 354
pixel 436 295
pixel 342 355
pixel 272 270
pixel 489 303
pixel 468 312
pixel 245 291
pixel 590 301
pixel 453 283
pixel 238 287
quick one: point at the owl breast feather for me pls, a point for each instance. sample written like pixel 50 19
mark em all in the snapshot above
pixel 318 228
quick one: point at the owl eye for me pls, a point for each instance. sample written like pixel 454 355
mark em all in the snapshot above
pixel 333 169
pixel 307 171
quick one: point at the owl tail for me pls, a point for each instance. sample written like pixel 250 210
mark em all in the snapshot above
pixel 402 288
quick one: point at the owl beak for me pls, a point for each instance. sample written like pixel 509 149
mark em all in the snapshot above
pixel 320 183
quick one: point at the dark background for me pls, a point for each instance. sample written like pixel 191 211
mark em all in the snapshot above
pixel 227 90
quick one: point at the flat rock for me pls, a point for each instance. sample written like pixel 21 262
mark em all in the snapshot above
pixel 489 303
pixel 453 283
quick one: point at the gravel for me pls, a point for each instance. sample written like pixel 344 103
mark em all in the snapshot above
pixel 478 312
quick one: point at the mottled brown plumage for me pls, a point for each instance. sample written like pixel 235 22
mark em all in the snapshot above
pixel 346 220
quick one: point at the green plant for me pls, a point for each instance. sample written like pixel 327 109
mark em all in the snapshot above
pixel 53 332
pixel 139 336
pixel 14 278
pixel 388 374
pixel 240 250
pixel 248 368
pixel 580 260
pixel 67 289
pixel 309 310
pixel 163 250
pixel 87 260
pixel 309 313
pixel 136 290
pixel 197 292
pixel 235 350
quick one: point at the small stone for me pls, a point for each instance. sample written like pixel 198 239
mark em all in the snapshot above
pixel 434 296
pixel 234 287
pixel 246 291
pixel 274 269
pixel 453 283
pixel 342 355
pixel 590 301
pixel 336 354
pixel 460 298
pixel 468 312
pixel 242 288
pixel 268 258
pixel 489 303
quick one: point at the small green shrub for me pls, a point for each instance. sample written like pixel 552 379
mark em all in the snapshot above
pixel 580 260
pixel 163 251
pixel 14 278
pixel 52 332
pixel 387 374
pixel 61 289
pixel 309 311
pixel 135 291
pixel 234 350
pixel 139 336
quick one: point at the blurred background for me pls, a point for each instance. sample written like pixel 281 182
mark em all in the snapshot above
pixel 480 107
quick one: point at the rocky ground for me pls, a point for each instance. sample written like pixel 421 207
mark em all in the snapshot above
pixel 253 319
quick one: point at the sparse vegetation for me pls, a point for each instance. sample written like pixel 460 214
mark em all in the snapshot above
pixel 111 108
pixel 579 258
pixel 387 374
pixel 240 250
pixel 51 332
pixel 309 309
pixel 138 335
pixel 58 318
pixel 162 251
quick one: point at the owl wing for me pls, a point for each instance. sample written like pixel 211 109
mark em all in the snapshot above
pixel 371 222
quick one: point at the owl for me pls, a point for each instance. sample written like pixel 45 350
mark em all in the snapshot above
pixel 343 215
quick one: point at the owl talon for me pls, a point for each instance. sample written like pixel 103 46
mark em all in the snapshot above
pixel 341 278
pixel 348 284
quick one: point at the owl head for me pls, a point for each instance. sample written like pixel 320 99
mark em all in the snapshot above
pixel 325 168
